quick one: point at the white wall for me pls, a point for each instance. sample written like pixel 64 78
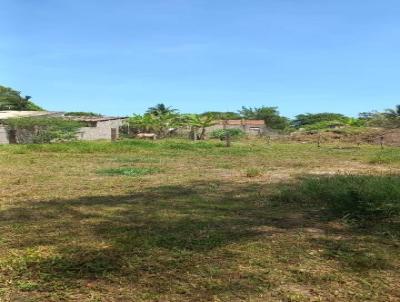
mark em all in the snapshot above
pixel 3 136
pixel 101 131
pixel 245 128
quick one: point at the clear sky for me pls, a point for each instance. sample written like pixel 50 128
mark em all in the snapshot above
pixel 122 56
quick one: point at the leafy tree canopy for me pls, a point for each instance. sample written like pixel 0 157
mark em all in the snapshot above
pixel 393 113
pixel 307 119
pixel 159 124
pixel 160 109
pixel 270 115
pixel 11 99
pixel 222 115
pixel 390 118
pixel 200 121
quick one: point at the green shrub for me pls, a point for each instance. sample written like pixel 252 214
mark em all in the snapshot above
pixel 43 130
pixel 362 198
pixel 222 133
pixel 324 125
pixel 253 172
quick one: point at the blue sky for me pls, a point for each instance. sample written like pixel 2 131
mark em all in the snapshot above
pixel 120 57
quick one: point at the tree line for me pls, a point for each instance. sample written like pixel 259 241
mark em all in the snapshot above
pixel 161 118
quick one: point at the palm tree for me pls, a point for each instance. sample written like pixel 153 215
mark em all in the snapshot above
pixel 160 109
pixel 201 122
pixel 159 124
pixel 392 117
pixel 393 113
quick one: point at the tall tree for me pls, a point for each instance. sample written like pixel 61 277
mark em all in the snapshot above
pixel 393 117
pixel 308 119
pixel 390 118
pixel 393 113
pixel 270 115
pixel 201 122
pixel 219 115
pixel 11 99
pixel 159 124
pixel 160 109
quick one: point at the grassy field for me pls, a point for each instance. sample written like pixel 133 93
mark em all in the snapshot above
pixel 183 221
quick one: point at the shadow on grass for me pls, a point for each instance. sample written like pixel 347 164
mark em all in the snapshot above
pixel 187 239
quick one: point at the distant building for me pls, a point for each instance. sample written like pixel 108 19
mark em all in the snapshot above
pixel 95 128
pixel 106 127
pixel 251 127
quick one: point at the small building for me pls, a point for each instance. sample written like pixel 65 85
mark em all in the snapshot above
pixel 95 128
pixel 250 127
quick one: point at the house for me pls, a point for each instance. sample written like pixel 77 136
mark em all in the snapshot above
pixel 95 128
pixel 251 127
pixel 104 127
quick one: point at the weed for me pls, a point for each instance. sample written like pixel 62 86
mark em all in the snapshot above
pixel 129 171
pixel 27 286
pixel 253 172
pixel 363 198
pixel 137 160
pixel 389 156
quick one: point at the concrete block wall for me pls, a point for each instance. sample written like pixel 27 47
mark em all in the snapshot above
pixel 245 128
pixel 101 131
pixel 3 135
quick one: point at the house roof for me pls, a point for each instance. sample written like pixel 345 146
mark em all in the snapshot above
pixel 94 118
pixel 13 113
pixel 242 122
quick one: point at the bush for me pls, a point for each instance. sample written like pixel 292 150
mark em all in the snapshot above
pixel 308 119
pixel 43 130
pixel 253 172
pixel 362 198
pixel 324 125
pixel 222 133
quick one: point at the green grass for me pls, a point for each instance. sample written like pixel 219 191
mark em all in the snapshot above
pixel 125 171
pixel 107 147
pixel 253 172
pixel 387 156
pixel 133 160
pixel 198 227
pixel 367 198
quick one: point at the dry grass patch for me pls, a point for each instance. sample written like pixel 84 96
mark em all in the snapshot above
pixel 190 233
